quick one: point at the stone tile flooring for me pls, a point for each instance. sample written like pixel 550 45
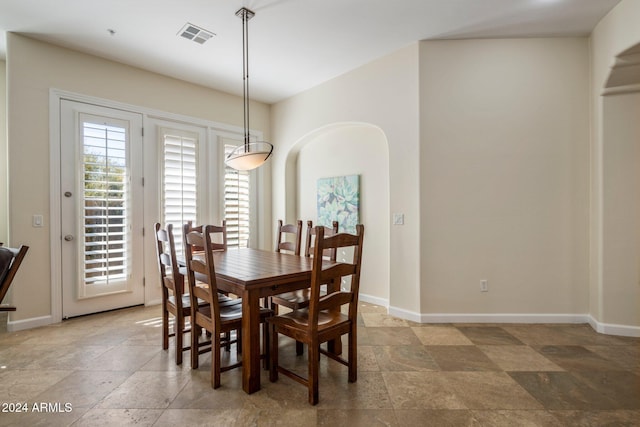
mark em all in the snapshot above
pixel 109 370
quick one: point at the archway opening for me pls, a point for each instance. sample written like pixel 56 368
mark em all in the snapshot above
pixel 343 149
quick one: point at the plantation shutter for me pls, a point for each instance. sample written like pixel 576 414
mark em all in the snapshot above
pixel 236 203
pixel 106 213
pixel 179 182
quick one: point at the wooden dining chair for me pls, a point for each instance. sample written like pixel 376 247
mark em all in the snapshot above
pixel 329 253
pixel 216 318
pixel 323 320
pixel 10 261
pixel 296 300
pixel 294 234
pixel 175 300
pixel 300 299
pixel 218 243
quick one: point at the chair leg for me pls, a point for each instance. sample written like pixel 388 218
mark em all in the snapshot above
pixel 215 360
pixel 273 362
pixel 195 333
pixel 179 322
pixel 299 348
pixel 353 356
pixel 165 327
pixel 313 350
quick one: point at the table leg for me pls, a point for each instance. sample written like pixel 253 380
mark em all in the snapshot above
pixel 250 342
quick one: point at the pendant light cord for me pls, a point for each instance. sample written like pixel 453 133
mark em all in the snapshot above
pixel 245 76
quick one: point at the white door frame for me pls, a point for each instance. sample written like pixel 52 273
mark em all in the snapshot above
pixel 150 264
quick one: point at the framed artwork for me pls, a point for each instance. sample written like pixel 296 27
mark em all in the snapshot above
pixel 339 200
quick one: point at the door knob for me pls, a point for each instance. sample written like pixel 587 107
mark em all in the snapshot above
pixel 68 237
pixel 67 194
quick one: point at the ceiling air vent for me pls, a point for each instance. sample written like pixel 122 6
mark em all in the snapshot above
pixel 195 33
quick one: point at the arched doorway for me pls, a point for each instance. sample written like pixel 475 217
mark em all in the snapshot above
pixel 621 192
pixel 348 149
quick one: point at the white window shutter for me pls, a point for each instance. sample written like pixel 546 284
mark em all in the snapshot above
pixel 236 203
pixel 179 183
pixel 106 214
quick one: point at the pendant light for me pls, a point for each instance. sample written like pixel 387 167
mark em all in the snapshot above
pixel 249 155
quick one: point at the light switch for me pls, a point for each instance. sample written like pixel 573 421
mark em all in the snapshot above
pixel 37 221
pixel 398 219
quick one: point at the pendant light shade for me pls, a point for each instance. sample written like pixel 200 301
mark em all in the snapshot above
pixel 249 155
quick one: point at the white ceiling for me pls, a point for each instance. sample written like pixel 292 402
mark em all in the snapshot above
pixel 293 44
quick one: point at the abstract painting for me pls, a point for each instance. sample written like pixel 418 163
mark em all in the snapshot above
pixel 339 200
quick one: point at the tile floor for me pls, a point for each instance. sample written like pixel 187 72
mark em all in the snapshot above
pixel 109 369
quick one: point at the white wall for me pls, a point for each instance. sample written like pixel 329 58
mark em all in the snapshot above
pixel 504 176
pixel 614 34
pixel 33 68
pixel 353 149
pixel 383 94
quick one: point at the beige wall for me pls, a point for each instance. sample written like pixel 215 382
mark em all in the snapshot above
pixel 504 176
pixel 621 209
pixel 614 34
pixel 353 149
pixel 4 164
pixel 383 94
pixel 33 68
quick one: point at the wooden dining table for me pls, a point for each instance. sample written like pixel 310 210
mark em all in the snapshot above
pixel 254 274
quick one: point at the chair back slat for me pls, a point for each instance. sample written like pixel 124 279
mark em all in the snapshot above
pixel 336 299
pixel 336 272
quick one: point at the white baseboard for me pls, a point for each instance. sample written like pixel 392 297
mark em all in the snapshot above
pixel 405 314
pixel 613 329
pixel 503 318
pixel 603 328
pixel 373 300
pixel 34 322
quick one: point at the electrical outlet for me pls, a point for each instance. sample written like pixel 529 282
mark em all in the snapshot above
pixel 484 286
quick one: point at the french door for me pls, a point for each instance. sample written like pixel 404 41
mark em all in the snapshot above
pixel 101 208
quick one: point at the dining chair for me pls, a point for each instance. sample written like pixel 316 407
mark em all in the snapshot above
pixel 10 261
pixel 300 299
pixel 296 300
pixel 175 300
pixel 323 320
pixel 329 253
pixel 294 232
pixel 216 318
pixel 218 243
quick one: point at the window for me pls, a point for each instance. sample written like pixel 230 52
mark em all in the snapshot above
pixel 236 202
pixel 179 180
pixel 105 187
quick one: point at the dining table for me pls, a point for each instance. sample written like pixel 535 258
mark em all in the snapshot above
pixel 253 274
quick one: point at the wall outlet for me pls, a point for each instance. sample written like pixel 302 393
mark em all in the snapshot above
pixel 484 286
